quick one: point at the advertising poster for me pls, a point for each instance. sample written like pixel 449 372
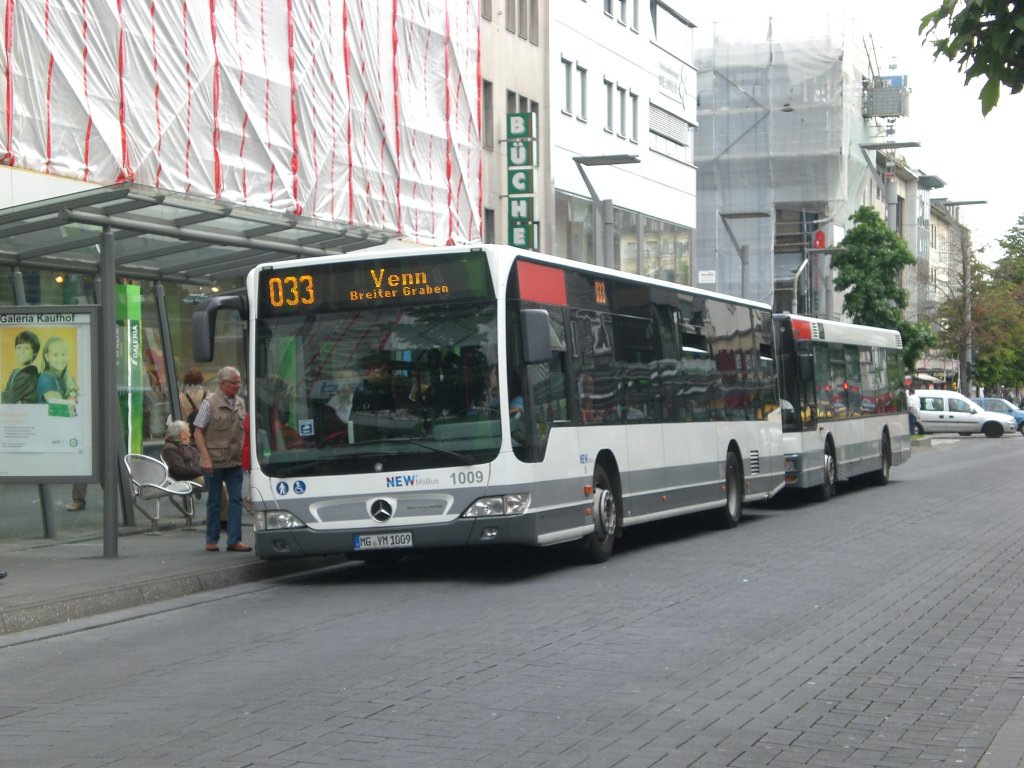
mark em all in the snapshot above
pixel 129 364
pixel 46 404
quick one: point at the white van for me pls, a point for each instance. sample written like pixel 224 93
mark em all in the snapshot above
pixel 943 411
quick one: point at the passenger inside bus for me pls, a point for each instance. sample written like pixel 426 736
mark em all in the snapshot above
pixel 375 392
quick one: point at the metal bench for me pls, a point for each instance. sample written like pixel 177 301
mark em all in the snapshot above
pixel 151 482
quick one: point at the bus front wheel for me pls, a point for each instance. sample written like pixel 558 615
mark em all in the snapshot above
pixel 597 546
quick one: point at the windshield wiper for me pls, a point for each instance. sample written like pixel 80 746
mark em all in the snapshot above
pixel 300 469
pixel 462 457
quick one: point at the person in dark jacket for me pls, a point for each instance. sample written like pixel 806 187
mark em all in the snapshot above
pixel 180 456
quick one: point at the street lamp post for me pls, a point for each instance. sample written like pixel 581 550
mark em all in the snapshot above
pixel 604 209
pixel 742 250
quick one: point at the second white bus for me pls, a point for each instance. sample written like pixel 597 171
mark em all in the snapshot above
pixel 844 412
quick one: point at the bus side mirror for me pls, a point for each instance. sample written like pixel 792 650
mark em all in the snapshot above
pixel 204 324
pixel 536 329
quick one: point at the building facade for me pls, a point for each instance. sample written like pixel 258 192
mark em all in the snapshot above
pixel 794 137
pixel 613 86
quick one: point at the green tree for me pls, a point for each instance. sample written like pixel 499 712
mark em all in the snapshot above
pixel 983 308
pixel 984 38
pixel 1000 316
pixel 868 269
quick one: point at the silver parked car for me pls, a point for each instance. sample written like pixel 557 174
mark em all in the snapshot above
pixel 942 411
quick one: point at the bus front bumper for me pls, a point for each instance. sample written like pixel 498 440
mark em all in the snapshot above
pixel 490 531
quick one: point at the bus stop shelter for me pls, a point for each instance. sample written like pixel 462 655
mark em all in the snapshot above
pixel 128 231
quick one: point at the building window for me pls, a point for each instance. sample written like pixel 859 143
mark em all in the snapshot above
pixel 622 11
pixel 669 134
pixel 608 6
pixel 622 111
pixel 485 9
pixel 634 114
pixel 609 94
pixel 522 17
pixel 567 97
pixel 581 75
pixel 490 229
pixel 515 102
pixel 488 117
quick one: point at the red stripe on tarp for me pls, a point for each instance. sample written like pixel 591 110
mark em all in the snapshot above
pixel 188 97
pixel 126 173
pixel 8 156
pixel 266 92
pixel 398 137
pixel 541 283
pixel 245 113
pixel 448 122
pixel 348 111
pixel 85 91
pixel 295 117
pixel 217 180
pixel 314 100
pixel 156 93
pixel 49 91
pixel 480 123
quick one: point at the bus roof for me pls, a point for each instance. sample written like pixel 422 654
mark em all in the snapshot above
pixel 817 329
pixel 505 256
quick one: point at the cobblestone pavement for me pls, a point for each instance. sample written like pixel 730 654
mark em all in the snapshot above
pixel 883 628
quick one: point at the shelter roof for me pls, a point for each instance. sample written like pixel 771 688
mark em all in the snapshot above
pixel 166 236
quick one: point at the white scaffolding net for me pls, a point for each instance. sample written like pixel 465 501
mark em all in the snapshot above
pixel 778 153
pixel 364 113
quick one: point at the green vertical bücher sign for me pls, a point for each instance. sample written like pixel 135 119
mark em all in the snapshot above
pixel 129 363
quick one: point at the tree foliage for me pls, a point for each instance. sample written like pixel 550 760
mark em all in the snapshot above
pixel 985 39
pixel 999 316
pixel 995 325
pixel 868 269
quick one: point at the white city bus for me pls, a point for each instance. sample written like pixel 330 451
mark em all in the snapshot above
pixel 480 396
pixel 844 413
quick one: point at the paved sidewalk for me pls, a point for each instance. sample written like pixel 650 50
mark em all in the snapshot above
pixel 51 582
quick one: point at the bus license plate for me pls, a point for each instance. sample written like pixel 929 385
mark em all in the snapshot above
pixel 396 540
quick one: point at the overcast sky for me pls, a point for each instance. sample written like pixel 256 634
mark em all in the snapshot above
pixel 978 157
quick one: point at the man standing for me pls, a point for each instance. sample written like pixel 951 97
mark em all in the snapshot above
pixel 219 436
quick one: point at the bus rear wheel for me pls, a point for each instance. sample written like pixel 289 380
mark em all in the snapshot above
pixel 881 476
pixel 597 546
pixel 827 489
pixel 730 513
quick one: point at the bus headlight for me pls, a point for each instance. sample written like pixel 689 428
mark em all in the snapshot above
pixel 271 520
pixel 495 506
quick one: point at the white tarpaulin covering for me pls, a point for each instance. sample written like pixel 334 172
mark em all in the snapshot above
pixel 355 111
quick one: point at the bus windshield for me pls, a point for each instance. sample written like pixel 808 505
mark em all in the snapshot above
pixel 377 389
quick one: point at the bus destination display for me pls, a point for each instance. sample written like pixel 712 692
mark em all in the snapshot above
pixel 395 281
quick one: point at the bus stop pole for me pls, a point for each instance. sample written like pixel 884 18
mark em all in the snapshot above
pixel 109 412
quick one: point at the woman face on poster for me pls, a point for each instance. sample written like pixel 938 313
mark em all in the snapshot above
pixel 55 363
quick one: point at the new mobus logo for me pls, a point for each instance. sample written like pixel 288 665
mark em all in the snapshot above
pixel 407 481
